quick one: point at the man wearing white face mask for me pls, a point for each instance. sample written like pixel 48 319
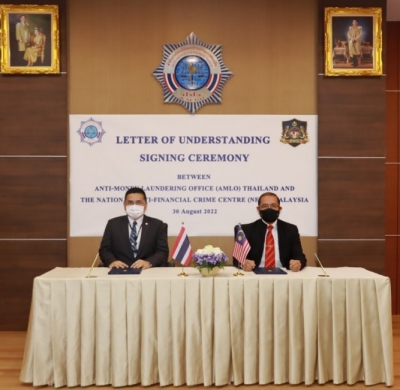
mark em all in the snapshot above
pixel 134 240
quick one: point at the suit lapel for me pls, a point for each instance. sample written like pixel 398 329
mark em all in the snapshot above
pixel 143 236
pixel 283 243
pixel 124 233
pixel 260 231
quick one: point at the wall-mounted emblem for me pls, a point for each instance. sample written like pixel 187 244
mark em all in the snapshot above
pixel 294 132
pixel 91 132
pixel 192 73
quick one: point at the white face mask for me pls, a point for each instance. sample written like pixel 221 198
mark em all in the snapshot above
pixel 135 211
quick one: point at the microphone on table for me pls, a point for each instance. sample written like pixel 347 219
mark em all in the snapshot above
pixel 320 264
pixel 90 271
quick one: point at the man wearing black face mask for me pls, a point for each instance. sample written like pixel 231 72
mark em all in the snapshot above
pixel 273 242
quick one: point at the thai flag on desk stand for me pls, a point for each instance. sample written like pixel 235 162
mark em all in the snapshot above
pixel 242 246
pixel 182 250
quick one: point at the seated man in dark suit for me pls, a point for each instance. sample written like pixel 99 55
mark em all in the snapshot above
pixel 134 240
pixel 274 243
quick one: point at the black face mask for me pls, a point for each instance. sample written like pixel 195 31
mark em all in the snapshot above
pixel 269 215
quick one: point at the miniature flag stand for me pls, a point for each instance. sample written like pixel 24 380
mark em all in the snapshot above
pixel 182 250
pixel 241 249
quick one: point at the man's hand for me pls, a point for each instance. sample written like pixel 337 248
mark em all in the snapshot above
pixel 249 265
pixel 117 264
pixel 143 264
pixel 295 265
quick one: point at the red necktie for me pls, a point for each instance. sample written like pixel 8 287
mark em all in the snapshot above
pixel 269 249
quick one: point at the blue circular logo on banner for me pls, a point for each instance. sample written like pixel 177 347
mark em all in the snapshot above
pixel 91 132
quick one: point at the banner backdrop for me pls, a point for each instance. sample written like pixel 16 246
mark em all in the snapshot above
pixel 205 170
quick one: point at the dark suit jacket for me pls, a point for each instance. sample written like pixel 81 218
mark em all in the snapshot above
pixel 153 245
pixel 288 237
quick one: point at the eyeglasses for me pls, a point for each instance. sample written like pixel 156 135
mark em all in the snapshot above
pixel 269 206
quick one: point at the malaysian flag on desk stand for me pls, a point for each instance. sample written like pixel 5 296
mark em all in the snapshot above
pixel 241 248
pixel 182 250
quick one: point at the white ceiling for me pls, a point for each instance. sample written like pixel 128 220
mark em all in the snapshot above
pixel 393 10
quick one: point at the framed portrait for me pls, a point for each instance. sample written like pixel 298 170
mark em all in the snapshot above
pixel 30 40
pixel 353 41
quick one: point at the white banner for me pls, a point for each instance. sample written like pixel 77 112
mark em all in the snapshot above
pixel 204 170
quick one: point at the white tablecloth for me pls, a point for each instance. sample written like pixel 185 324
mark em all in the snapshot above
pixel 160 328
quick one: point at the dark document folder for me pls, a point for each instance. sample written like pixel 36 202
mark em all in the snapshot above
pixel 125 271
pixel 269 271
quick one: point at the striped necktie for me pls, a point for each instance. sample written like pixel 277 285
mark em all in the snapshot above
pixel 270 249
pixel 133 238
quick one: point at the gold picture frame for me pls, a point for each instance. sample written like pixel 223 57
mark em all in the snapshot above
pixel 30 39
pixel 353 41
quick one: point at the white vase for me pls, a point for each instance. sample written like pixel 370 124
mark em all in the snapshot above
pixel 212 272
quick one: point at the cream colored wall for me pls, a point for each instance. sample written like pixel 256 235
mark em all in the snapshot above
pixel 114 46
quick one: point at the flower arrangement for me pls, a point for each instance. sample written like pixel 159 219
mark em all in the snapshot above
pixel 209 258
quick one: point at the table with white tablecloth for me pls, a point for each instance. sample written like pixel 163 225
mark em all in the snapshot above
pixel 158 327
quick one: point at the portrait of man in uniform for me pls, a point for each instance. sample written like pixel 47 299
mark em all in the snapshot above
pixel 353 41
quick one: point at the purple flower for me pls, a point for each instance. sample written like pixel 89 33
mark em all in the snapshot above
pixel 210 257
